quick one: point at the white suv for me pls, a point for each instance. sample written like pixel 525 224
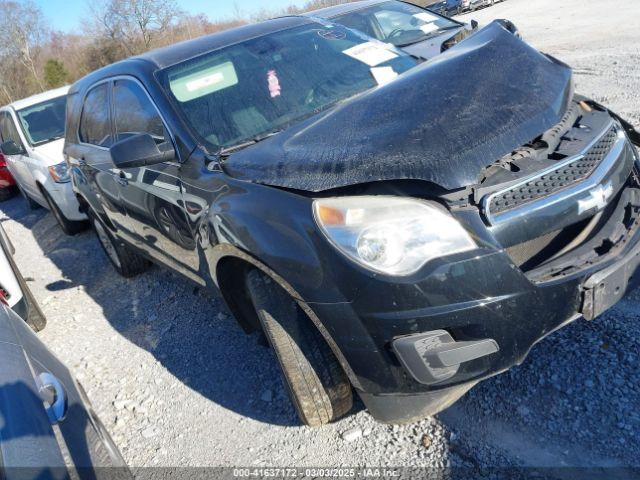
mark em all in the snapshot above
pixel 32 137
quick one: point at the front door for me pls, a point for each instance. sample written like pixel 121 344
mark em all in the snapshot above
pixel 152 195
pixel 94 172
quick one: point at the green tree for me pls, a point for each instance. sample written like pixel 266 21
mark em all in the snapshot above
pixel 55 75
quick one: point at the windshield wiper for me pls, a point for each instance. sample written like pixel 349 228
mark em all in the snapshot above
pixel 225 152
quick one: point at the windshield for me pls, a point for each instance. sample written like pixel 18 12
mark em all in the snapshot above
pixel 44 122
pixel 397 23
pixel 249 90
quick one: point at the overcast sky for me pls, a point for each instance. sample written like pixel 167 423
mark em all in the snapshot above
pixel 66 15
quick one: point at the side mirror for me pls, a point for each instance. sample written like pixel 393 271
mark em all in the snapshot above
pixel 139 150
pixel 474 24
pixel 11 148
pixel 509 25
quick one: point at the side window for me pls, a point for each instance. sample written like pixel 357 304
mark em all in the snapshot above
pixel 8 130
pixel 4 132
pixel 95 126
pixel 134 113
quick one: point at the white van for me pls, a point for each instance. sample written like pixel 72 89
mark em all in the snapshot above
pixel 31 138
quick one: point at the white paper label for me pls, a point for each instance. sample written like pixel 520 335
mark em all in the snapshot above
pixel 383 75
pixel 204 82
pixel 371 53
pixel 429 27
pixel 426 17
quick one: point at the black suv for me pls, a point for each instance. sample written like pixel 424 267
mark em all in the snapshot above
pixel 399 228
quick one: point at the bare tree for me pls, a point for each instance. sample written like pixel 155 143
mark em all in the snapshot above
pixel 115 29
pixel 137 25
pixel 23 32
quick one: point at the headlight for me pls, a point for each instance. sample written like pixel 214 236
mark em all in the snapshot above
pixel 392 235
pixel 59 173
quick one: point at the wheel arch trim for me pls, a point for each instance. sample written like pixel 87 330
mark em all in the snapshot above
pixel 225 252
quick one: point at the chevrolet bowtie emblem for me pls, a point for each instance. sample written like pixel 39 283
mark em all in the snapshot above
pixel 597 199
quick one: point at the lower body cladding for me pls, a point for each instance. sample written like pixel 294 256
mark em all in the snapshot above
pixel 414 346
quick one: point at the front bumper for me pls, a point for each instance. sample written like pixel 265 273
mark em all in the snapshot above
pixel 476 296
pixel 6 179
pixel 501 304
pixel 63 195
pixel 607 287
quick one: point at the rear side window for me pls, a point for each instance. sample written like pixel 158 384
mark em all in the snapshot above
pixel 95 127
pixel 8 130
pixel 134 113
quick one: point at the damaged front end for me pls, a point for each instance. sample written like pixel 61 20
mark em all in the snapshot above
pixel 557 222
pixel 567 204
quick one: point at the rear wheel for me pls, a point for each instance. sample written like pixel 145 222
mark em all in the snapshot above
pixel 6 193
pixel 317 384
pixel 70 227
pixel 126 262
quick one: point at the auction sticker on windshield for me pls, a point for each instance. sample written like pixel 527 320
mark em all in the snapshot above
pixel 204 82
pixel 426 17
pixel 371 53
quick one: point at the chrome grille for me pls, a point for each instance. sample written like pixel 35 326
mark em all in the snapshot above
pixel 555 180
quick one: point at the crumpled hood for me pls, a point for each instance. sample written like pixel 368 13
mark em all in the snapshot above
pixel 443 121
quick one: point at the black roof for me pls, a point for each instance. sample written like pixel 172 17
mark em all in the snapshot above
pixel 153 60
pixel 330 12
pixel 164 57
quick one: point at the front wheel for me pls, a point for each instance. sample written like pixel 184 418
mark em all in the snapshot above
pixel 31 203
pixel 317 384
pixel 70 227
pixel 126 262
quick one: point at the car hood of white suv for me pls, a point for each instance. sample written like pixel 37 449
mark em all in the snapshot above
pixel 50 153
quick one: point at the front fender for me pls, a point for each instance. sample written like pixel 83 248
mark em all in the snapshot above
pixel 276 227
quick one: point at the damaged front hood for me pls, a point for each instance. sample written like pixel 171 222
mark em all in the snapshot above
pixel 442 122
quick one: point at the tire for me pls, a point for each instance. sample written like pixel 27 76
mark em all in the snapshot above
pixel 31 203
pixel 69 227
pixel 35 318
pixel 6 193
pixel 319 389
pixel 126 262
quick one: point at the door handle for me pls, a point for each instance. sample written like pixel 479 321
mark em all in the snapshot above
pixel 121 178
pixel 82 162
pixel 54 397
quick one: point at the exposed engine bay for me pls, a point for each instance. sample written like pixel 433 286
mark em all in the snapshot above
pixel 567 200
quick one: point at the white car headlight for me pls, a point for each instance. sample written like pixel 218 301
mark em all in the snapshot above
pixel 60 173
pixel 391 235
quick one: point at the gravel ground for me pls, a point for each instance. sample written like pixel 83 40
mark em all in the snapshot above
pixel 178 384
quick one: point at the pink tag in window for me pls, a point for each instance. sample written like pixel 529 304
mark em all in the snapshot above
pixel 274 83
